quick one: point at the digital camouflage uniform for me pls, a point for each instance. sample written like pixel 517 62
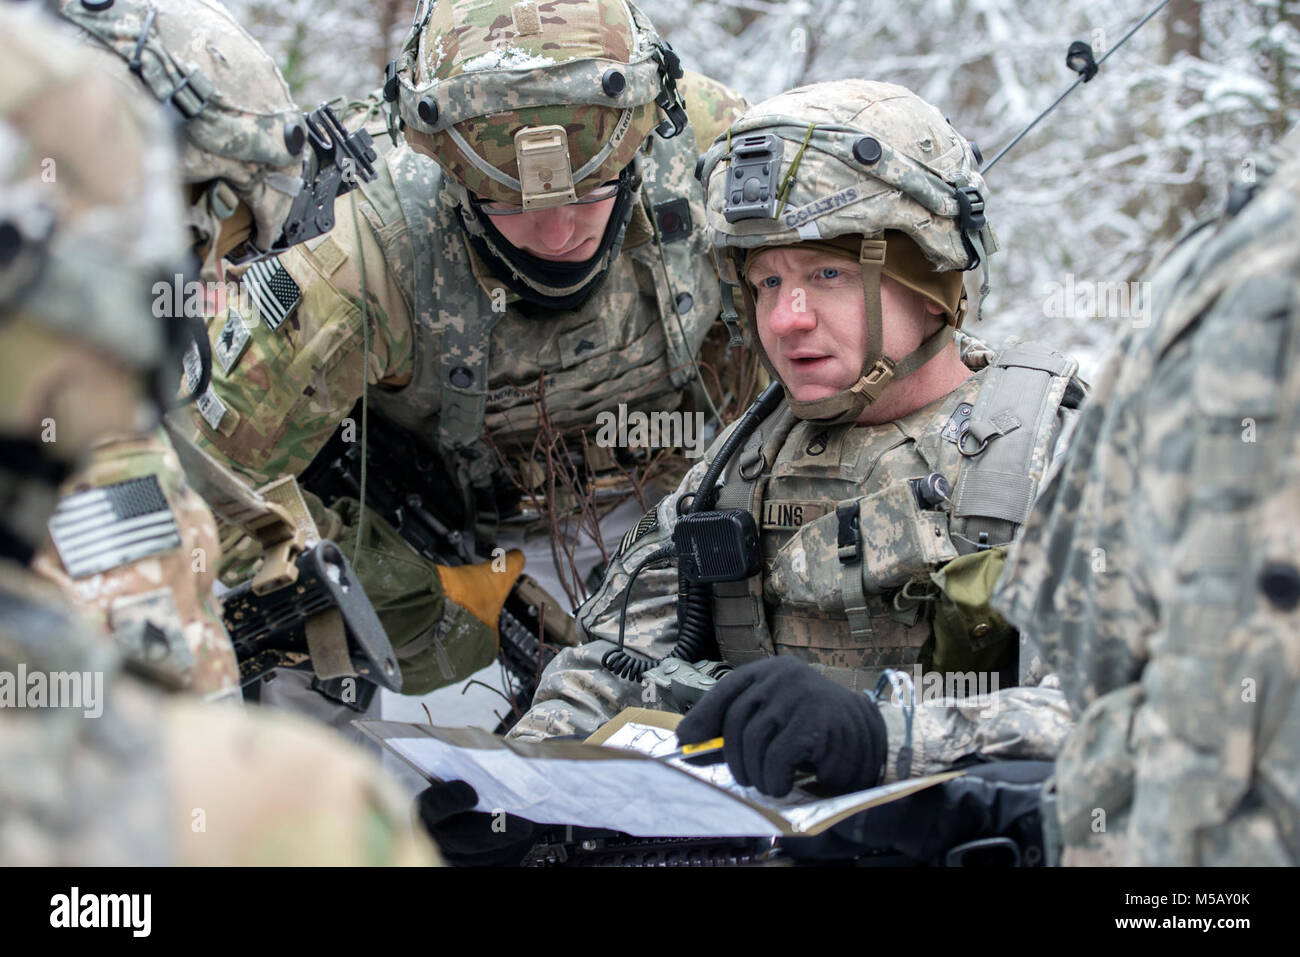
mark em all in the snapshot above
pixel 455 354
pixel 914 593
pixel 122 774
pixel 155 594
pixel 1158 573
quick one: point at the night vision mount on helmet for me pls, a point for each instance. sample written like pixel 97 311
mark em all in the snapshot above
pixel 243 136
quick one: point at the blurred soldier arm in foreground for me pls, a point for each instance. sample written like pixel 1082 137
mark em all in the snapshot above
pixel 94 767
pixel 135 776
pixel 1160 574
pixel 275 789
pixel 151 583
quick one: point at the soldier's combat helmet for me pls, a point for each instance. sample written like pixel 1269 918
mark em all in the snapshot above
pixel 242 137
pixel 534 104
pixel 861 167
pixel 89 210
pixel 90 219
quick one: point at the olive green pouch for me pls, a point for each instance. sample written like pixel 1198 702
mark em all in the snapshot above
pixel 436 641
pixel 968 634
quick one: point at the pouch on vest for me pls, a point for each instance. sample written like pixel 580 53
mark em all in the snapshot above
pixel 900 542
pixel 436 641
pixel 968 634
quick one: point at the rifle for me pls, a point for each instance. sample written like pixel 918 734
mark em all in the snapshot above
pixel 409 486
pixel 303 608
pixel 323 622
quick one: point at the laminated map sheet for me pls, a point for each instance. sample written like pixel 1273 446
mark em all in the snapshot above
pixel 619 779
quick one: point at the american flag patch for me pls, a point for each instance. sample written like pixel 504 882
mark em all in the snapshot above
pixel 648 523
pixel 272 290
pixel 103 528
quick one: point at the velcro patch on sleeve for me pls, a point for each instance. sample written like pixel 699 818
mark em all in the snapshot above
pixel 648 523
pixel 103 528
pixel 272 290
pixel 327 253
pixel 210 407
pixel 232 342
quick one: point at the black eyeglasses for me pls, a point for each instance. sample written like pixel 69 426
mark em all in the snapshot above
pixel 598 195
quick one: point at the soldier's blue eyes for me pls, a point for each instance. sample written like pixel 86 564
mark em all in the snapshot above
pixel 772 282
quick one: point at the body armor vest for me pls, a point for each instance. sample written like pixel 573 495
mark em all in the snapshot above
pixel 850 550
pixel 482 363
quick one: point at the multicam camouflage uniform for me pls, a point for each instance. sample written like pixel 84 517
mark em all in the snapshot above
pixel 1159 572
pixel 915 592
pixel 122 774
pixel 160 607
pixel 458 346
pixel 242 135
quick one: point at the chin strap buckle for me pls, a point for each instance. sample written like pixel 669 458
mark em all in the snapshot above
pixel 730 318
pixel 875 379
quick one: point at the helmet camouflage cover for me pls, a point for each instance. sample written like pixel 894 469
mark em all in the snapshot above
pixel 474 75
pixel 89 217
pixel 848 159
pixel 243 135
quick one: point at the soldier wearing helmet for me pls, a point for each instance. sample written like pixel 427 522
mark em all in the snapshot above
pixel 243 140
pixel 247 181
pixel 883 489
pixel 534 249
pixel 97 767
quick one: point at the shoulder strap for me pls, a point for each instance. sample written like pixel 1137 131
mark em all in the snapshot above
pixel 675 253
pixel 1007 443
pixel 421 253
pixel 739 620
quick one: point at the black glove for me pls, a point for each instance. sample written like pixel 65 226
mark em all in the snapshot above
pixel 997 799
pixel 777 715
pixel 467 837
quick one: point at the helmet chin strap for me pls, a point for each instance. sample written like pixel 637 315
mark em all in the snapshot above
pixel 878 369
pixel 553 285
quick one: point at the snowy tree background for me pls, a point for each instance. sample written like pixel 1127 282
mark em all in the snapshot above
pixel 1090 196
